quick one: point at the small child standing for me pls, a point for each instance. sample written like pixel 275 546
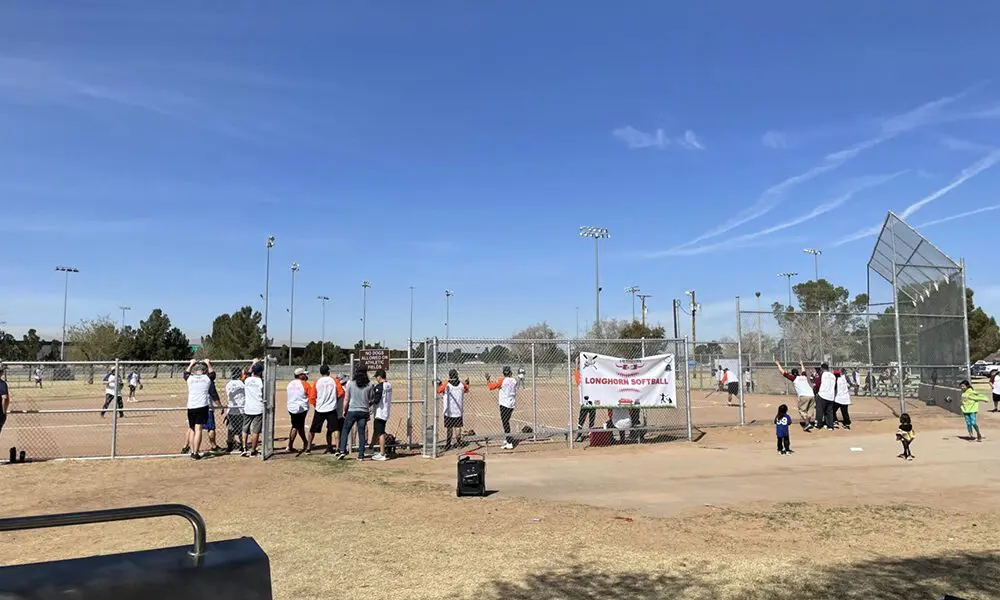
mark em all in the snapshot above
pixel 905 436
pixel 970 409
pixel 781 424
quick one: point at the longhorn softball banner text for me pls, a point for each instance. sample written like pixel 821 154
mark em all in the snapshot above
pixel 611 381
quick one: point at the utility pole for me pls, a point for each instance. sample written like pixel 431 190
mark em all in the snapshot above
pixel 642 300
pixel 694 315
pixel 322 335
pixel 760 332
pixel 364 313
pixel 633 289
pixel 123 309
pixel 676 304
pixel 577 322
pixel 62 343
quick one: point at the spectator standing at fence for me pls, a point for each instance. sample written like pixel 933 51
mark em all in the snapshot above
pixel 826 394
pixel 382 407
pixel 357 404
pixel 329 394
pixel 214 402
pixel 782 423
pixel 199 378
pixel 805 393
pixel 520 376
pixel 4 397
pixel 133 382
pixel 507 397
pixel 233 415
pixel 299 396
pixel 970 409
pixel 38 377
pixel 842 398
pixel 748 380
pixel 112 393
pixel 253 408
pixel 453 398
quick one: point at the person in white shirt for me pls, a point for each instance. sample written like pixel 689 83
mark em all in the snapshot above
pixel 520 377
pixel 453 397
pixel 842 397
pixel 298 396
pixel 720 377
pixel 826 397
pixel 133 382
pixel 623 419
pixel 807 397
pixel 507 398
pixel 199 378
pixel 748 380
pixel 38 377
pixel 253 408
pixel 732 381
pixel 233 415
pixel 329 394
pixel 382 406
pixel 112 393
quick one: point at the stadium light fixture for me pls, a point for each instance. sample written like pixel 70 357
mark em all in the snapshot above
pixel 816 254
pixel 789 275
pixel 632 289
pixel 598 234
pixel 267 286
pixel 447 313
pixel 67 271
pixel 123 309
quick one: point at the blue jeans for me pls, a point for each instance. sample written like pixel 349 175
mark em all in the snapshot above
pixel 361 418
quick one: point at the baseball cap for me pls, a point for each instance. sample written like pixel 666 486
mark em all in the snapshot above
pixel 257 369
pixel 300 371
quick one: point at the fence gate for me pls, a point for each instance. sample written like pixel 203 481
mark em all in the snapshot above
pixel 270 387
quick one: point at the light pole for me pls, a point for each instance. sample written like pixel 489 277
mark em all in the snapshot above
pixel 291 314
pixel 632 289
pixel 364 312
pixel 789 275
pixel 322 336
pixel 598 233
pixel 123 309
pixel 694 313
pixel 642 307
pixel 760 333
pixel 67 271
pixel 267 286
pixel 815 252
pixel 411 315
pixel 447 313
pixel 577 322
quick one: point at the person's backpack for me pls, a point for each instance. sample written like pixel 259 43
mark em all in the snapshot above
pixel 375 395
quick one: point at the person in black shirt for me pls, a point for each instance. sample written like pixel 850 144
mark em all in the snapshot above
pixel 905 436
pixel 4 397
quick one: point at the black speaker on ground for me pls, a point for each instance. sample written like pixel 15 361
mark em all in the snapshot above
pixel 471 475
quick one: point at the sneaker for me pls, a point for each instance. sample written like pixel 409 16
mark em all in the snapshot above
pixel 195 456
pixel 380 457
pixel 909 458
pixel 185 449
pixel 508 446
pixel 847 427
pixel 790 451
pixel 254 453
pixel 901 456
pixel 245 454
pixel 808 427
pixel 340 456
pixel 781 452
pixel 362 458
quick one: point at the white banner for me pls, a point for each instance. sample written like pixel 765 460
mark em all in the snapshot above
pixel 611 381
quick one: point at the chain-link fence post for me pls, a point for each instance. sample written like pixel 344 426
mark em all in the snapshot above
pixel 116 407
pixel 430 396
pixel 409 392
pixel 534 396
pixel 569 395
pixel 739 360
pixel 821 340
pixel 687 390
pixel 642 341
pixel 434 436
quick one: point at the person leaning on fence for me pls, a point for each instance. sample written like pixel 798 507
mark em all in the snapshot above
pixel 112 393
pixel 199 378
pixel 453 398
pixel 253 408
pixel 970 409
pixel 805 393
pixel 842 398
pixel 4 397
pixel 825 397
pixel 507 398
pixel 233 415
pixel 299 396
pixel 329 393
pixel 357 404
pixel 381 409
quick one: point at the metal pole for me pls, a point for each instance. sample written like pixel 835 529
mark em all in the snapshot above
pixel 569 388
pixel 62 346
pixel 114 414
pixel 123 309
pixel 364 313
pixel 322 342
pixel 899 340
pixel 816 259
pixel 760 330
pixel 868 328
pixel 434 435
pixel 534 396
pixel 291 315
pixel 739 354
pixel 597 282
pixel 577 322
pixel 267 289
pixel 694 336
pixel 965 320
pixel 409 391
pixel 687 390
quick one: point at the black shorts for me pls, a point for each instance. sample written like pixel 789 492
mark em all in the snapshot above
pixel 996 397
pixel 299 419
pixel 3 419
pixel 131 389
pixel 453 422
pixel 197 416
pixel 733 387
pixel 328 418
pixel 378 429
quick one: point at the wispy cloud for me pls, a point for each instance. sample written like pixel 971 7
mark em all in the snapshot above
pixel 754 239
pixel 775 140
pixel 967 173
pixel 889 128
pixel 963 215
pixel 636 139
pixel 960 145
pixel 71 228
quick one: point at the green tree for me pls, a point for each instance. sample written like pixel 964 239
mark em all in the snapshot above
pixel 313 353
pixel 31 345
pixel 366 345
pixel 704 353
pixel 547 353
pixel 10 350
pixel 94 340
pixel 236 336
pixel 497 355
pixel 984 334
pixel 636 330
pixel 157 339
pixel 827 323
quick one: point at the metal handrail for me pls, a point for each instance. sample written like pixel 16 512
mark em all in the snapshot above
pixel 115 514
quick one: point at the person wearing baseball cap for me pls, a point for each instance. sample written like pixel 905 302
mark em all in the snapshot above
pixel 507 397
pixel 300 396
pixel 329 393
pixel 253 408
pixel 4 395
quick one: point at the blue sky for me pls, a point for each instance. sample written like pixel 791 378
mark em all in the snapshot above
pixel 460 145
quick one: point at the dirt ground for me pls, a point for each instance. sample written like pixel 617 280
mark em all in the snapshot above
pixel 725 517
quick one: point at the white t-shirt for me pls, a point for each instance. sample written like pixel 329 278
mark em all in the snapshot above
pixel 133 379
pixel 453 400
pixel 843 395
pixel 508 392
pixel 198 386
pixel 827 383
pixel 996 385
pixel 719 375
pixel 732 376
pixel 253 396
pixel 621 418
pixel 298 400
pixel 326 395
pixel 235 396
pixel 802 387
pixel 111 385
pixel 383 408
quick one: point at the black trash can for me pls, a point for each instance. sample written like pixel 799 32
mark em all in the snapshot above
pixel 471 475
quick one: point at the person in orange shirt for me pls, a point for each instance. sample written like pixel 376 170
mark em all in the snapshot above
pixel 453 394
pixel 326 394
pixel 300 395
pixel 507 398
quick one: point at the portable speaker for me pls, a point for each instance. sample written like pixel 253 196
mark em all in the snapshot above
pixel 471 475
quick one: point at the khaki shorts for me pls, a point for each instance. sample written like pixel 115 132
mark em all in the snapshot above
pixel 806 404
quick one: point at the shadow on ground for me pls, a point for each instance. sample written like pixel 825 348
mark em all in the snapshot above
pixel 967 576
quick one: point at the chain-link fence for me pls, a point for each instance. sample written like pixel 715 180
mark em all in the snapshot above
pixel 548 406
pixel 116 409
